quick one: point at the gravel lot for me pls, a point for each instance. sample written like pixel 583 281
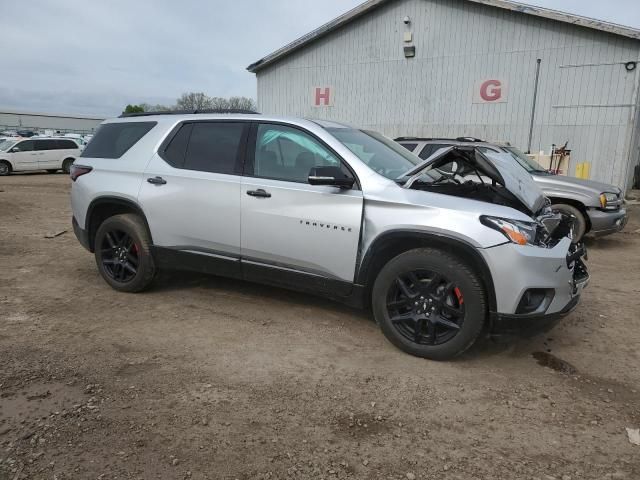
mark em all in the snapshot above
pixel 204 377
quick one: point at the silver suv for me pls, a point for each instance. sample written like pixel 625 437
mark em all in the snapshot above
pixel 598 208
pixel 441 250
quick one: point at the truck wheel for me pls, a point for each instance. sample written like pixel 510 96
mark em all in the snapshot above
pixel 580 223
pixel 5 168
pixel 123 253
pixel 429 303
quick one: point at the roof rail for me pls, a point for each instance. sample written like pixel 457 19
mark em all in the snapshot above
pixel 190 112
pixel 469 139
pixel 429 139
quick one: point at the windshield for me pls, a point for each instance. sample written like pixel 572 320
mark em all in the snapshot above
pixel 529 164
pixel 378 152
pixel 6 145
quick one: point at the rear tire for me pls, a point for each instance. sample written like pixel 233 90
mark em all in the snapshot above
pixel 429 303
pixel 580 224
pixel 5 168
pixel 123 253
pixel 66 165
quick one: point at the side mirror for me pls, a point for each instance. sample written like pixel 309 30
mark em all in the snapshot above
pixel 14 150
pixel 330 176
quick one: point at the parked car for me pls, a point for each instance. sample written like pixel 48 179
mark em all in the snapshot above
pixel 51 154
pixel 26 133
pixel 599 208
pixel 333 210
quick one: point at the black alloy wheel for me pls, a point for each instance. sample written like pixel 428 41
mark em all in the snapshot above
pixel 123 253
pixel 425 307
pixel 120 256
pixel 429 303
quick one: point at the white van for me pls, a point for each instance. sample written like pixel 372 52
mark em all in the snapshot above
pixel 50 154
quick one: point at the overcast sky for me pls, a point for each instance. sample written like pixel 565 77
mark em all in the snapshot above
pixel 75 56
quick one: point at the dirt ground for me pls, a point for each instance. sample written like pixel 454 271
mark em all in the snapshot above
pixel 203 377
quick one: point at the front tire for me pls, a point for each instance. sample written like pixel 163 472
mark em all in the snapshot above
pixel 580 223
pixel 123 253
pixel 429 303
pixel 5 168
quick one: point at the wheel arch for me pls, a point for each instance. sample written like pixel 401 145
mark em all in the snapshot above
pixel 390 244
pixel 8 162
pixel 104 207
pixel 574 203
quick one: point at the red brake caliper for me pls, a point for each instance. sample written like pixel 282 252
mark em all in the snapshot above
pixel 458 295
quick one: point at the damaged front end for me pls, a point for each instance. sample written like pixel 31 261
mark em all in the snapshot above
pixel 491 177
pixel 535 286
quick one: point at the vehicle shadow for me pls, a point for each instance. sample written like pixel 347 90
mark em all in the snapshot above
pixel 34 173
pixel 171 281
pixel 168 281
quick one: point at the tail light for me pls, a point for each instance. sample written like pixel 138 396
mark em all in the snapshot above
pixel 78 171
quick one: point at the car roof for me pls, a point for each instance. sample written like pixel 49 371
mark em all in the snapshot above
pixel 227 115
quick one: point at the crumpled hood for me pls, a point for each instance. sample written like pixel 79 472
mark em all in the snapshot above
pixel 499 167
pixel 518 181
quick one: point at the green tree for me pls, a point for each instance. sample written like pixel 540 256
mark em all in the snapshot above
pixel 133 109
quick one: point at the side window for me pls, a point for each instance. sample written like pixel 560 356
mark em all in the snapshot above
pixel 112 140
pixel 66 144
pixel 215 147
pixel 429 149
pixel 409 146
pixel 44 144
pixel 286 153
pixel 177 148
pixel 25 146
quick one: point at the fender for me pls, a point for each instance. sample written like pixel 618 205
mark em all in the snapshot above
pixel 419 237
pixel 123 204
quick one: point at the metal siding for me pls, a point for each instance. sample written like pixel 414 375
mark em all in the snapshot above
pixel 17 121
pixel 459 43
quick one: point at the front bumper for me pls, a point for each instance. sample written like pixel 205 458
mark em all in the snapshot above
pixel 607 222
pixel 513 325
pixel 518 270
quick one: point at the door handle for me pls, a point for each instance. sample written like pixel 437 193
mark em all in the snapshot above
pixel 258 193
pixel 156 180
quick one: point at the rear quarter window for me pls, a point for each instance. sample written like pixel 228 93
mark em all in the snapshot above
pixel 409 146
pixel 112 140
pixel 66 144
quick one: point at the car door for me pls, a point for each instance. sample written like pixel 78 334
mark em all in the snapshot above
pixel 47 153
pixel 191 194
pixel 294 233
pixel 65 148
pixel 24 156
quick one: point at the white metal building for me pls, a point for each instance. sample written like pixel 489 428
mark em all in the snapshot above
pixel 450 68
pixel 17 120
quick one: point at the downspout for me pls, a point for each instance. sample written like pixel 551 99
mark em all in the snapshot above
pixel 533 107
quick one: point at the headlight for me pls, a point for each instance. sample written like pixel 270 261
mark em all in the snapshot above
pixel 516 231
pixel 607 198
